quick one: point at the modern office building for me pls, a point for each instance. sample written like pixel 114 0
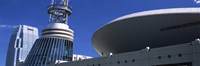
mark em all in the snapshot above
pixel 163 37
pixel 21 41
pixel 56 42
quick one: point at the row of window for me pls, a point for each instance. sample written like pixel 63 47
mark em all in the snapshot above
pixel 133 60
pixel 118 62
pixel 46 50
pixel 169 56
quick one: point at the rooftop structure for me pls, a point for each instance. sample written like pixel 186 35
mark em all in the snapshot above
pixel 153 29
pixel 56 42
pixel 165 37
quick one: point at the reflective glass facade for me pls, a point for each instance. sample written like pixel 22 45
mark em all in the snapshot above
pixel 49 49
pixel 21 41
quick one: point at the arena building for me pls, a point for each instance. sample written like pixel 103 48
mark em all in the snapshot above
pixel 163 37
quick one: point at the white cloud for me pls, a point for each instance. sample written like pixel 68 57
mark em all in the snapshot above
pixel 8 26
pixel 197 1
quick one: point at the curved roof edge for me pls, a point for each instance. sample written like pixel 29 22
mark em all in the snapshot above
pixel 160 11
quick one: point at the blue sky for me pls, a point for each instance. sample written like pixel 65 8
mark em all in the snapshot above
pixel 87 17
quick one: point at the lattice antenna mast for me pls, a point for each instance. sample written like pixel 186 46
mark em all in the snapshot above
pixel 59 11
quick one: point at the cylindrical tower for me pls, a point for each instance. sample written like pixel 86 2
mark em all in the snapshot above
pixel 56 42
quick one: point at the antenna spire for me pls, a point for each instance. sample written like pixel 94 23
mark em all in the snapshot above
pixel 59 11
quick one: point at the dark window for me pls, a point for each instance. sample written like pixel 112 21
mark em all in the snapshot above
pixel 125 61
pixel 179 55
pixel 30 29
pixel 118 62
pixel 169 56
pixel 133 60
pixel 44 61
pixel 159 57
pixel 21 35
pixel 17 43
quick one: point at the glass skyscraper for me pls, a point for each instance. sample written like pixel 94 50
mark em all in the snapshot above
pixel 56 42
pixel 21 41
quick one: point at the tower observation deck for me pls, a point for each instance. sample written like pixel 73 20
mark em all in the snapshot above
pixel 56 42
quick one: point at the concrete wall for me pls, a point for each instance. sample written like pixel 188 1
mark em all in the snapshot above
pixel 182 53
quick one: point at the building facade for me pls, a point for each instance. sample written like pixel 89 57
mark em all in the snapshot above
pixel 186 54
pixel 56 42
pixel 21 41
pixel 162 37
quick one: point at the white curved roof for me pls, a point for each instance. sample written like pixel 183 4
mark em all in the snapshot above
pixel 154 28
pixel 160 11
